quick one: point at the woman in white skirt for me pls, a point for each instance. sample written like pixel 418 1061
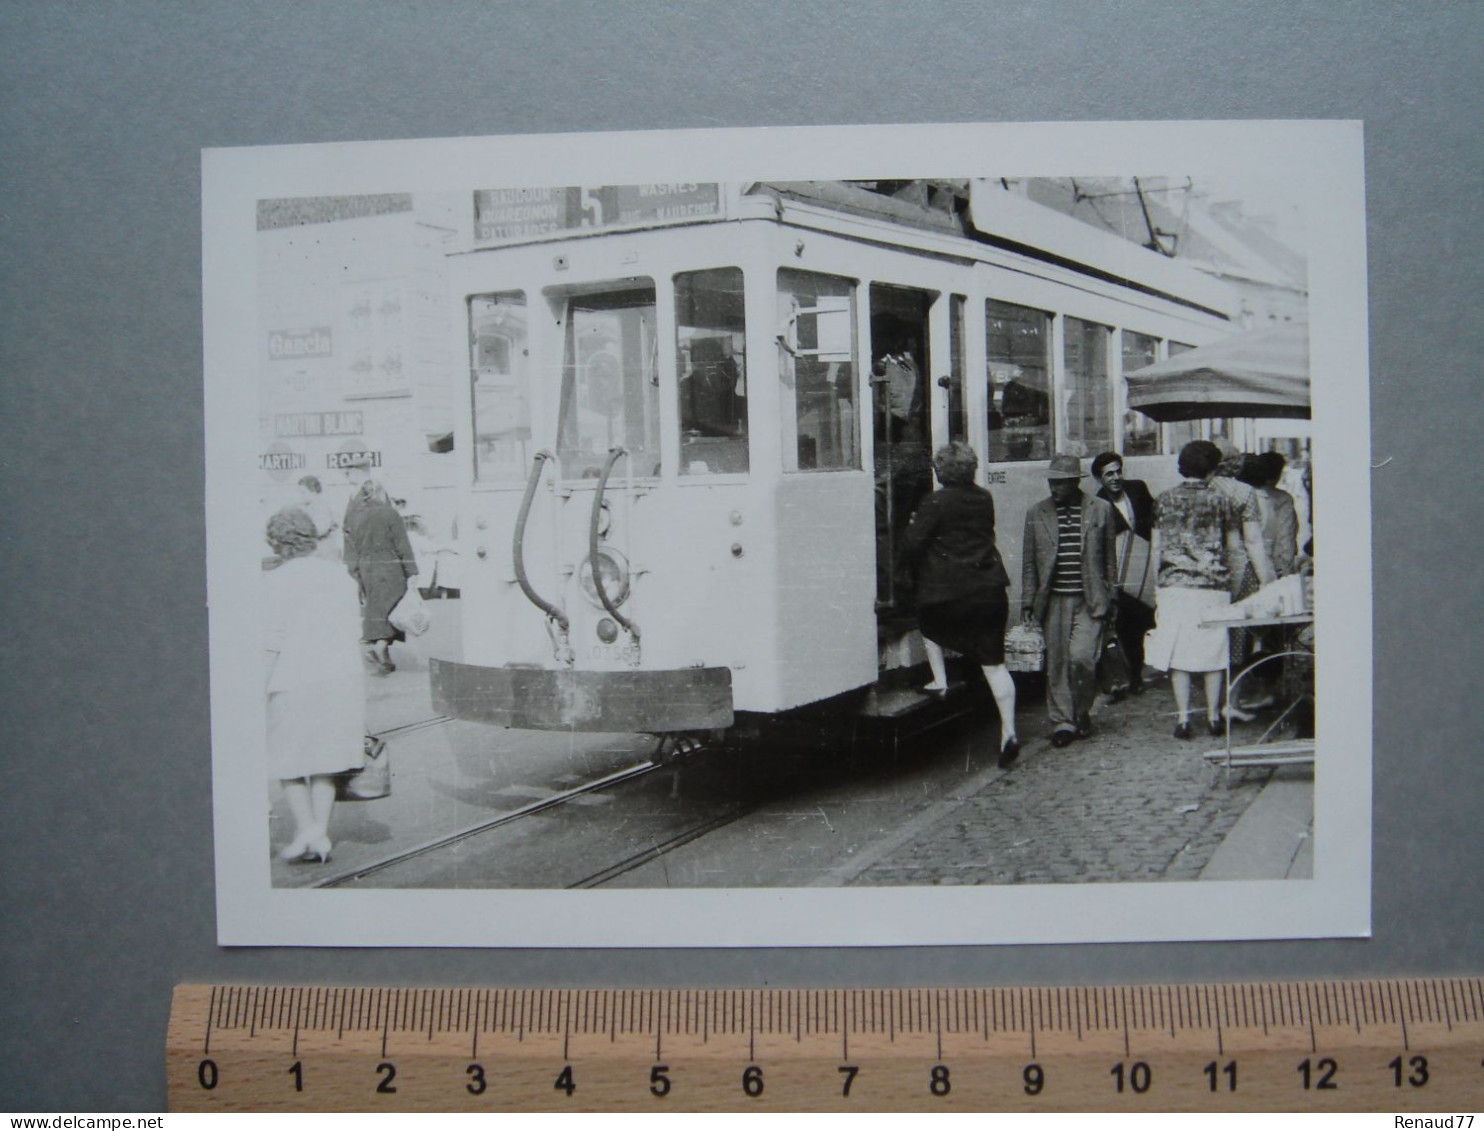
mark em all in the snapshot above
pixel 316 701
pixel 1197 531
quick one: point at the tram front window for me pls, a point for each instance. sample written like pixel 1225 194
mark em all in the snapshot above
pixel 711 358
pixel 1140 433
pixel 1019 360
pixel 610 383
pixel 816 367
pixel 500 387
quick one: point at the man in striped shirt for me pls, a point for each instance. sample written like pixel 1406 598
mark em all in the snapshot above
pixel 1068 581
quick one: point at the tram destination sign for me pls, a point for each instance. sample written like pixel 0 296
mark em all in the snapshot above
pixel 512 214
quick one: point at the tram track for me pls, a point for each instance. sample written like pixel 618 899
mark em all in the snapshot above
pixel 412 728
pixel 655 852
pixel 596 879
pixel 363 871
pixel 608 781
pixel 623 865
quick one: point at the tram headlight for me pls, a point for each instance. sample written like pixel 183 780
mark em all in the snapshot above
pixel 607 630
pixel 614 570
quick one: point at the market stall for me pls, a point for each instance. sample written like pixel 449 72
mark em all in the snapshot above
pixel 1261 373
pixel 1257 373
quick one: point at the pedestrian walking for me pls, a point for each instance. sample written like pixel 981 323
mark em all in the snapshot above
pixel 1242 578
pixel 1280 539
pixel 380 558
pixel 960 581
pixel 316 705
pixel 1279 515
pixel 1133 532
pixel 1067 584
pixel 1199 530
pixel 313 503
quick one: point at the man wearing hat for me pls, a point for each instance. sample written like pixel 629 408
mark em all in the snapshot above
pixel 1067 585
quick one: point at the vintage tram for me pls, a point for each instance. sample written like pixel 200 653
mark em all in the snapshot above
pixel 691 442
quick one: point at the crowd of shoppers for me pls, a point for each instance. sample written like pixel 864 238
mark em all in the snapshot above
pixel 1114 564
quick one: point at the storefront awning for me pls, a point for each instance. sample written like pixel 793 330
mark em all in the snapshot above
pixel 1260 373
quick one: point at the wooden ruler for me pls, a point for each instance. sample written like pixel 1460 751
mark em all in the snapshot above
pixel 1405 1046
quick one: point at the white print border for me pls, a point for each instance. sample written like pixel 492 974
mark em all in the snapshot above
pixel 1323 161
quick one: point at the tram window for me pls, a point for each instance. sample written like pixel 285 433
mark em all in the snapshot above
pixel 1240 431
pixel 610 383
pixel 1140 433
pixel 1019 360
pixel 1086 399
pixel 711 359
pixel 816 368
pixel 1178 433
pixel 500 387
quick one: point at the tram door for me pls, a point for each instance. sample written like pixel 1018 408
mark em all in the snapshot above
pixel 902 425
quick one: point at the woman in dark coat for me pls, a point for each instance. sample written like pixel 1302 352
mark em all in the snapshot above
pixel 379 557
pixel 961 583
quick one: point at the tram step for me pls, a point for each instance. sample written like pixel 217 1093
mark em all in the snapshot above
pixel 904 701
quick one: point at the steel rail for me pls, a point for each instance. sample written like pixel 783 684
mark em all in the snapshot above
pixel 654 852
pixel 361 871
pixel 409 728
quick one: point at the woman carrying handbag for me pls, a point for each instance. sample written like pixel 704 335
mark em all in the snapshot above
pixel 316 702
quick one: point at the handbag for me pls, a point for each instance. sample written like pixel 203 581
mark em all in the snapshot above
pixel 1025 648
pixel 1112 668
pixel 410 615
pixel 1136 576
pixel 373 780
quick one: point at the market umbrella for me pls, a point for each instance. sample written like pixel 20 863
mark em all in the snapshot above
pixel 1258 373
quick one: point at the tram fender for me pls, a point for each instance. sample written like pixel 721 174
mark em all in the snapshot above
pixel 620 701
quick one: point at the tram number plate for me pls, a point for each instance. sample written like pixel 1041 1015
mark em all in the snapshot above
pixel 614 654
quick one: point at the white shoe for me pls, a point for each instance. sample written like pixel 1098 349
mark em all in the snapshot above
pixel 294 850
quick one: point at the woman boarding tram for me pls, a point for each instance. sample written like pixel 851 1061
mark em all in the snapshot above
pixel 695 444
pixel 961 581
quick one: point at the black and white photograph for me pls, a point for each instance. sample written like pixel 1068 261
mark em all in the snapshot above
pixel 820 536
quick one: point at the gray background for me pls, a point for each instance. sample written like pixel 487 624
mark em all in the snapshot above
pixel 105 861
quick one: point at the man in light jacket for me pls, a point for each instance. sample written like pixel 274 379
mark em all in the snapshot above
pixel 1067 586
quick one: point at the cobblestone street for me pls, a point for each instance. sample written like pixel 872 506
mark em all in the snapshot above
pixel 1131 803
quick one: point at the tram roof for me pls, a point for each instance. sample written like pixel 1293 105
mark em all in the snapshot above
pixel 975 212
pixel 929 208
pixel 966 219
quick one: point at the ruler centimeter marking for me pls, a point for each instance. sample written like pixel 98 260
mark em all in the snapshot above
pixel 1402 1045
